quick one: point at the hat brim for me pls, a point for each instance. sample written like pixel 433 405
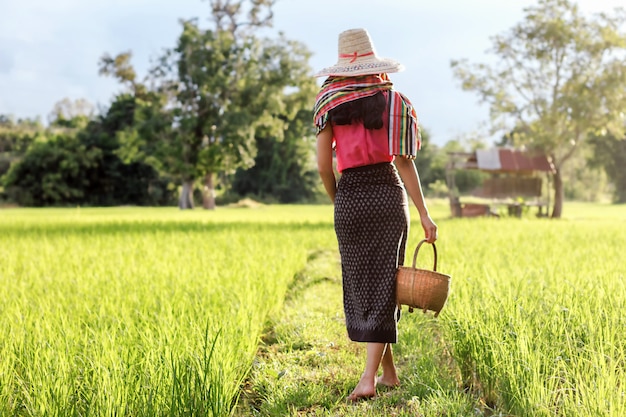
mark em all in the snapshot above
pixel 362 68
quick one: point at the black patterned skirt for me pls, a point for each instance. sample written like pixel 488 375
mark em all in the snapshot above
pixel 372 225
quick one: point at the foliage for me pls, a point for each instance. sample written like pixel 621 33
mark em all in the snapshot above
pixel 121 68
pixel 430 161
pixel 228 108
pixel 15 138
pixel 124 175
pixel 610 154
pixel 237 16
pixel 283 171
pixel 559 77
pixel 201 112
pixel 214 97
pixel 230 89
pixel 202 71
pixel 52 172
pixel 284 166
pixel 86 165
pixel 584 181
pixel 71 114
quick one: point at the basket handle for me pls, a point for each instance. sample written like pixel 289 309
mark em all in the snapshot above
pixel 417 250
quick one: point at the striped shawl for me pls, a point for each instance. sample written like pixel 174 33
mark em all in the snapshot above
pixel 404 133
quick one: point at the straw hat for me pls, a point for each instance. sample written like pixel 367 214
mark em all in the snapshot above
pixel 357 56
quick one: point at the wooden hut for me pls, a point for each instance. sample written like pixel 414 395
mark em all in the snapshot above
pixel 515 180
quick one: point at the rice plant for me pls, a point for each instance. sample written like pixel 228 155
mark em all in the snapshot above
pixel 535 322
pixel 143 312
pixel 159 312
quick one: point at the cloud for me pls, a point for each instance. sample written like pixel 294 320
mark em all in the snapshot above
pixel 50 49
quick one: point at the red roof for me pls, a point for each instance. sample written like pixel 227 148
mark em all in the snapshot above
pixel 509 160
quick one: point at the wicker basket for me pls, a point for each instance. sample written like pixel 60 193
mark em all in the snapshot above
pixel 421 288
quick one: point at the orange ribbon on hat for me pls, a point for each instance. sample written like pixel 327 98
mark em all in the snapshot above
pixel 354 55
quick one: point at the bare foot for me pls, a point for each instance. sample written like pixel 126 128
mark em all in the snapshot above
pixel 364 390
pixel 389 382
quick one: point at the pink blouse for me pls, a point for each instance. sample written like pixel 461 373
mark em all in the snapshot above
pixel 357 146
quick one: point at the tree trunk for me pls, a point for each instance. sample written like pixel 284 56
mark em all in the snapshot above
pixel 208 193
pixel 185 200
pixel 559 194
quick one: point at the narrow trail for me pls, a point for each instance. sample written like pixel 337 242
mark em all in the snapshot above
pixel 307 366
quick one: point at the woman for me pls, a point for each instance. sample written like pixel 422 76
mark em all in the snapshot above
pixel 373 131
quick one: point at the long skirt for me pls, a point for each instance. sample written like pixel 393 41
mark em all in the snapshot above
pixel 372 225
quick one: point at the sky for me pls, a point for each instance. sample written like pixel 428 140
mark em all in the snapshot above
pixel 49 50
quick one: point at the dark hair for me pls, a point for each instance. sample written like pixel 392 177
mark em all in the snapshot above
pixel 368 110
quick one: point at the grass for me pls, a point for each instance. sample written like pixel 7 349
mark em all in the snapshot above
pixel 533 327
pixel 139 311
pixel 155 312
pixel 534 322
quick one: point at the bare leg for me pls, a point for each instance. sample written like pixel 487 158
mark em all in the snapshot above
pixel 366 388
pixel 389 378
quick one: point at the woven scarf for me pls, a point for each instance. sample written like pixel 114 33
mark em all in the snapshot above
pixel 404 135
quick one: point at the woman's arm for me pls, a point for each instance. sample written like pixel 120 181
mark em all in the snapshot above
pixel 325 160
pixel 410 177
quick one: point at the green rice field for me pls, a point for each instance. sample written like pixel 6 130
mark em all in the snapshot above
pixel 160 312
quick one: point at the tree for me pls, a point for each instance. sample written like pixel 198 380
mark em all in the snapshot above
pixel 283 170
pixel 227 14
pixel 15 138
pixel 430 161
pixel 610 154
pixel 559 77
pixel 71 114
pixel 214 97
pixel 137 126
pixel 227 86
pixel 283 167
pixel 120 67
pixel 124 175
pixel 86 166
pixel 52 172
